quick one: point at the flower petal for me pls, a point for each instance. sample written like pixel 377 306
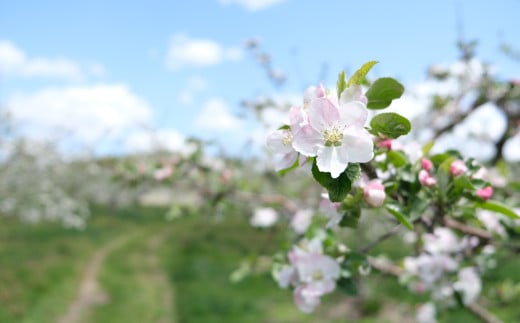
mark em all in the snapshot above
pixel 286 161
pixel 322 113
pixel 307 140
pixel 353 113
pixel 333 160
pixel 275 141
pixel 358 144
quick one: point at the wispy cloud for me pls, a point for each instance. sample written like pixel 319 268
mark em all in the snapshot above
pixel 193 86
pixel 15 62
pixel 86 115
pixel 252 5
pixel 191 52
pixel 215 116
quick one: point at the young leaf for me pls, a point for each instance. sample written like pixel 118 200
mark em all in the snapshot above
pixel 497 207
pixel 382 92
pixel 360 74
pixel 394 210
pixel 338 188
pixel 342 83
pixel 390 124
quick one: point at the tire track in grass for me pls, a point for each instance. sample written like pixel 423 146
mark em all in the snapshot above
pixel 160 277
pixel 90 293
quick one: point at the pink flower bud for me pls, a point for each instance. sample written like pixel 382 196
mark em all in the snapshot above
pixel 458 168
pixel 386 143
pixel 426 164
pixel 485 193
pixel 374 194
pixel 426 179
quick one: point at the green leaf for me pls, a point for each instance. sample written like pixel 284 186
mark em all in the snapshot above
pixel 396 158
pixel 360 74
pixel 382 92
pixel 498 207
pixel 396 212
pixel 351 218
pixel 338 188
pixel 342 83
pixel 427 147
pixel 391 124
pixel 284 171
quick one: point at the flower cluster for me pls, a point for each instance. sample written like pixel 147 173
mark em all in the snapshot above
pixel 328 128
pixel 311 273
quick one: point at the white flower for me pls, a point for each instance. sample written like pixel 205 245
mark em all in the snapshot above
pixel 374 194
pixel 468 284
pixel 442 240
pixel 330 210
pixel 301 220
pixel 335 134
pixel 426 313
pixel 264 217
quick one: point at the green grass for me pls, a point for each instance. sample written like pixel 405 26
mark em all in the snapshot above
pixel 41 265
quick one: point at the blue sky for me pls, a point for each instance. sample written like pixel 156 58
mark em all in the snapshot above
pixel 181 66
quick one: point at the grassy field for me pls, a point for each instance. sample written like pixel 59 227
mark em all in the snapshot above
pixel 179 272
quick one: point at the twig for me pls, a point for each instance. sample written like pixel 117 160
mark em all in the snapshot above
pixel 467 229
pixel 385 266
pixel 482 313
pixel 382 238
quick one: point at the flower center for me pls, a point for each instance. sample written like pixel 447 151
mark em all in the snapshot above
pixel 317 275
pixel 333 137
pixel 287 138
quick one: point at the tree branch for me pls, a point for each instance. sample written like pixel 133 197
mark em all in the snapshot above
pixel 467 229
pixel 382 238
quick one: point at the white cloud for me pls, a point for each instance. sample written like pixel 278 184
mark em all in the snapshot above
pixel 89 115
pixel 252 5
pixel 215 116
pixel 190 52
pixel 15 62
pixel 163 139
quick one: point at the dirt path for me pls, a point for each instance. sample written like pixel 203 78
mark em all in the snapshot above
pixel 160 278
pixel 90 293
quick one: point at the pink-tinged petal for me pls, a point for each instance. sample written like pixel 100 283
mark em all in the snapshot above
pixel 297 118
pixel 307 140
pixel 426 164
pixel 353 93
pixel 318 288
pixel 305 304
pixel 287 161
pixel 485 193
pixel 322 113
pixel 276 141
pixel 333 160
pixel 353 113
pixel 358 144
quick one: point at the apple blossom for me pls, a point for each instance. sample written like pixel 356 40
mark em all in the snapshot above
pixel 163 173
pixel 280 142
pixel 385 143
pixel 468 284
pixel 458 167
pixel 426 179
pixel 485 193
pixel 301 220
pixel 264 217
pixel 330 210
pixel 314 274
pixel 426 164
pixel 425 313
pixel 335 134
pixel 374 194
